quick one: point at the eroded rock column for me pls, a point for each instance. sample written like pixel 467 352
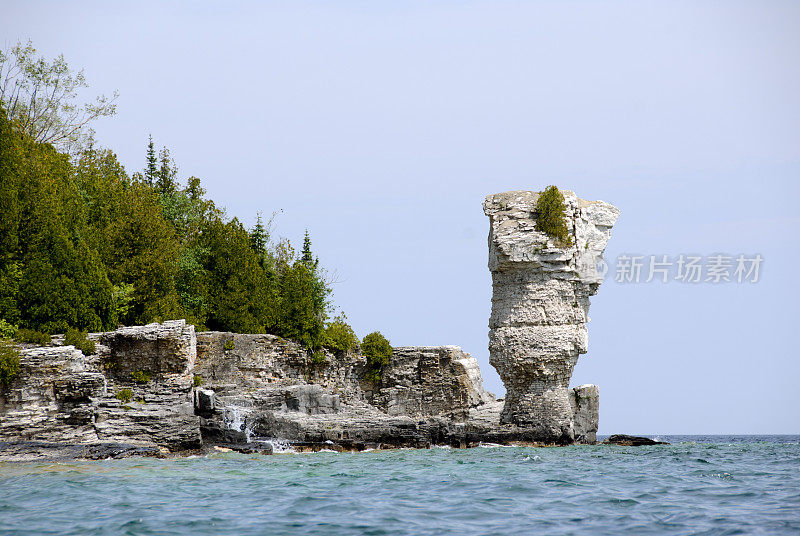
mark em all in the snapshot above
pixel 540 303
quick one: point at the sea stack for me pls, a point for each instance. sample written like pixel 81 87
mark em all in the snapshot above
pixel 540 304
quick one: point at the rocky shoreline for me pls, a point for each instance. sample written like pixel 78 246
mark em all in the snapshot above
pixel 163 389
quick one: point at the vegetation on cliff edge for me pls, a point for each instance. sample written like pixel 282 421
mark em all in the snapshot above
pixel 378 351
pixel 551 216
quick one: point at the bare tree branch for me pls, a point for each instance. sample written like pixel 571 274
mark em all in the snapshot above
pixel 39 97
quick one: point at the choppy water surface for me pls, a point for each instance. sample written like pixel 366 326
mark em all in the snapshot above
pixel 705 485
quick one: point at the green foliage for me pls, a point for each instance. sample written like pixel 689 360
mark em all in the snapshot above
pixel 318 357
pixel 121 299
pixel 140 250
pixel 78 339
pixel 197 381
pixel 85 247
pixel 7 331
pixel 551 216
pixel 9 362
pixel 32 336
pixel 339 336
pixel 124 395
pixel 301 315
pixel 236 287
pixel 140 376
pixel 378 351
pixel 229 345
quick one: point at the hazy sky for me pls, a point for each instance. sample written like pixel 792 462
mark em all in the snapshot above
pixel 381 127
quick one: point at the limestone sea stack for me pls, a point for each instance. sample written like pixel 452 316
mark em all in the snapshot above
pixel 540 305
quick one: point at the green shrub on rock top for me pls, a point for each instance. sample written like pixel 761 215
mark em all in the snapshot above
pixel 32 336
pixel 318 357
pixel 124 395
pixel 551 216
pixel 78 339
pixel 339 337
pixel 378 351
pixel 229 345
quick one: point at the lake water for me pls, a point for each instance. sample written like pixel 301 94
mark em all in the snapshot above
pixel 696 485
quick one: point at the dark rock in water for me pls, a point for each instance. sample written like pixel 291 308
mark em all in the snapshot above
pixel 631 441
pixel 37 451
pixel 256 447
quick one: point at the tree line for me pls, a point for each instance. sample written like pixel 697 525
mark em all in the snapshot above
pixel 86 246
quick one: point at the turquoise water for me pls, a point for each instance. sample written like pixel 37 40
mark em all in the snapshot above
pixel 697 485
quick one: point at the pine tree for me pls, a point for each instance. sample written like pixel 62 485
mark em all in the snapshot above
pixel 193 189
pixel 307 257
pixel 259 237
pixel 165 177
pixel 151 169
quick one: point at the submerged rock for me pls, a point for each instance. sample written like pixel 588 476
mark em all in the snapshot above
pixel 631 441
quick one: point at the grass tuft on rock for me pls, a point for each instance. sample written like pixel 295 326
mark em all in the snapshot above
pixel 140 376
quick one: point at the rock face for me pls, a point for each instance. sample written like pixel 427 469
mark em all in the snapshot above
pixel 61 395
pixel 162 387
pixel 168 348
pixel 267 387
pixel 540 305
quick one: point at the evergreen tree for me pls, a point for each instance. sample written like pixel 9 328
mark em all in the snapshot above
pixel 300 318
pixel 142 250
pixel 10 211
pixel 307 257
pixel 259 237
pixel 236 285
pixel 193 189
pixel 62 280
pixel 151 167
pixel 167 173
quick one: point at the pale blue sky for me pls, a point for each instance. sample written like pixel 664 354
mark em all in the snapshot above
pixel 381 126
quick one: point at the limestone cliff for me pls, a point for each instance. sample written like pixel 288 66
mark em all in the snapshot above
pixel 142 394
pixel 540 305
pixel 163 387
